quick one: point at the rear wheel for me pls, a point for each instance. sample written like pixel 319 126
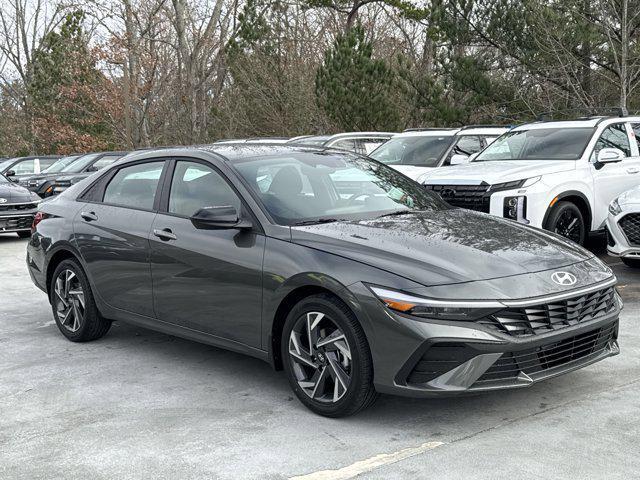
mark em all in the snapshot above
pixel 74 308
pixel 327 358
pixel 631 262
pixel 566 219
pixel 25 234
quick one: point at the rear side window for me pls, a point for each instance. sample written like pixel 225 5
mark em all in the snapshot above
pixel 134 186
pixel 195 186
pixel 614 136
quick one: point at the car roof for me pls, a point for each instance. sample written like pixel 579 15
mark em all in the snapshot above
pixel 236 151
pixel 444 132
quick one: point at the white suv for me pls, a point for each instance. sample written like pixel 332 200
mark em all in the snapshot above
pixel 417 151
pixel 558 175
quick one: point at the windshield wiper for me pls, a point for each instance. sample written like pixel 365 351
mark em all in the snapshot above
pixel 316 221
pixel 398 212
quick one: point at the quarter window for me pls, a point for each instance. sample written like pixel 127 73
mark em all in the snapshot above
pixel 195 186
pixel 614 136
pixel 134 186
pixel 636 133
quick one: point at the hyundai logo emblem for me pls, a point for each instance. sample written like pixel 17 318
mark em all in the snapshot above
pixel 3 200
pixel 564 278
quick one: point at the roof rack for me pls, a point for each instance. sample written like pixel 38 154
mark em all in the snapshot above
pixel 427 129
pixel 468 127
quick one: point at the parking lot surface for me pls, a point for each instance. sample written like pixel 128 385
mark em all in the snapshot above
pixel 138 404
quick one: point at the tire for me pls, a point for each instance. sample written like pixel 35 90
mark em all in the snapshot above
pixel 631 262
pixel 25 234
pixel 69 288
pixel 329 359
pixel 561 221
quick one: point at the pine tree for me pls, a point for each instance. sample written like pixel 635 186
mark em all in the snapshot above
pixel 354 89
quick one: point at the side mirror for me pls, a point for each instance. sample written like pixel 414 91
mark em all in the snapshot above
pixel 216 218
pixel 92 168
pixel 610 155
pixel 10 173
pixel 459 159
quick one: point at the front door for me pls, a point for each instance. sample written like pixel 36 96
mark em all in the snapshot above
pixel 206 280
pixel 611 179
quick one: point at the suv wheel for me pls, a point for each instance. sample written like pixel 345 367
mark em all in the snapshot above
pixel 566 219
pixel 74 308
pixel 327 358
pixel 631 262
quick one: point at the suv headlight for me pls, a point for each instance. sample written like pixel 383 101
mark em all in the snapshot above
pixel 436 309
pixel 614 207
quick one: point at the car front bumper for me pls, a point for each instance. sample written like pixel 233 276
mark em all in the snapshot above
pixel 618 244
pixel 426 358
pixel 15 218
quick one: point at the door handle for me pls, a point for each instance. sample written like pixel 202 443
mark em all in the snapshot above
pixel 633 170
pixel 89 216
pixel 165 234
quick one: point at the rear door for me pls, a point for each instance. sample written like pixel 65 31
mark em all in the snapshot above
pixel 206 280
pixel 611 179
pixel 112 234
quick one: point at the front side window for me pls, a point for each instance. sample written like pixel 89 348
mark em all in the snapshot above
pixel 134 186
pixel 310 187
pixel 195 186
pixel 614 136
pixel 26 167
pixel 466 145
pixel 423 151
pixel 61 164
pixel 538 144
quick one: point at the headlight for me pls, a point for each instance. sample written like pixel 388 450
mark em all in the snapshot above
pixel 435 309
pixel 614 207
pixel 530 181
pixel 515 208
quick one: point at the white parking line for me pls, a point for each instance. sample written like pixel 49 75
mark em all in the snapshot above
pixel 369 464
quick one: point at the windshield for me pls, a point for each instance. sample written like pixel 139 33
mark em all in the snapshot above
pixel 315 141
pixel 422 151
pixel 4 165
pixel 61 164
pixel 80 163
pixel 316 187
pixel 538 144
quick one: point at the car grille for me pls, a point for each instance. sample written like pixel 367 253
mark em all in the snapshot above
pixel 553 354
pixel 630 225
pixel 16 223
pixel 17 207
pixel 545 317
pixel 472 197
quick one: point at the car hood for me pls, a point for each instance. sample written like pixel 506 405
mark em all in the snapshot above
pixel 412 171
pixel 443 247
pixel 630 197
pixel 495 172
pixel 14 193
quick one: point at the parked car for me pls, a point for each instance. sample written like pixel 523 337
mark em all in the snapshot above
pixel 20 167
pixel 18 207
pixel 82 168
pixel 42 183
pixel 416 151
pixel 386 290
pixel 623 227
pixel 359 142
pixel 557 175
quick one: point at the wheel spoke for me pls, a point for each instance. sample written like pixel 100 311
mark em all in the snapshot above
pixel 319 383
pixel 313 319
pixel 337 372
pixel 336 341
pixel 78 294
pixel 59 289
pixel 299 352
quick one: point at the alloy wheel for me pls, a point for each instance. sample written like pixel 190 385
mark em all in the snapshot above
pixel 569 225
pixel 69 300
pixel 320 357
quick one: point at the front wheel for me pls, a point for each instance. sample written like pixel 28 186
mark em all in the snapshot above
pixel 566 219
pixel 74 307
pixel 327 358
